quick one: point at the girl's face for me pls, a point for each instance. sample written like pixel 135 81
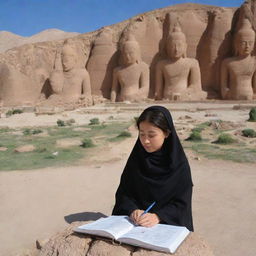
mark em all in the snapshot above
pixel 151 137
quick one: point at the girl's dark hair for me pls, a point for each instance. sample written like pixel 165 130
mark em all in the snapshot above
pixel 156 118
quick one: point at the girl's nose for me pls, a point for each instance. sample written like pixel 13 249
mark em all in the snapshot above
pixel 146 141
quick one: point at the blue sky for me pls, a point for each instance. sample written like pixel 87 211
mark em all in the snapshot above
pixel 28 17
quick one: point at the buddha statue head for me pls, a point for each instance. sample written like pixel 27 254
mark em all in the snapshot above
pixel 244 39
pixel 68 57
pixel 176 46
pixel 130 51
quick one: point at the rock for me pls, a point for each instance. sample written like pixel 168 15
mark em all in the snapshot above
pixel 68 243
pixel 15 87
pixel 48 110
pixel 41 243
pixel 101 63
pixel 81 129
pixel 184 117
pixel 25 148
pixel 224 125
pixel 104 248
pixel 210 115
pixel 68 142
pixel 19 133
pixel 28 252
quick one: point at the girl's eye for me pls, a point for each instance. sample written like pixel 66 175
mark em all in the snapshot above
pixel 151 136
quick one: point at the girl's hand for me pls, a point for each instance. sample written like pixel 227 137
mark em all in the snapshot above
pixel 148 220
pixel 145 220
pixel 135 216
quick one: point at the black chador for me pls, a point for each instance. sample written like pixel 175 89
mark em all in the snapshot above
pixel 163 177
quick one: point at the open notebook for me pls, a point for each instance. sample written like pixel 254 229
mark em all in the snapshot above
pixel 161 237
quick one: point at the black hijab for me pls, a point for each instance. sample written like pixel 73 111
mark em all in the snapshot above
pixel 163 177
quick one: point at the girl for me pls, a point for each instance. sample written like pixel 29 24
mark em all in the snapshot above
pixel 157 172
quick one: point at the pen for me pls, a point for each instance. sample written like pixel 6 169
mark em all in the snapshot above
pixel 148 209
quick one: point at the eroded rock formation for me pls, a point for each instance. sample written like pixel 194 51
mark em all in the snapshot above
pixel 209 31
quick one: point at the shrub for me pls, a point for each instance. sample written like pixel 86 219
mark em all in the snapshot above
pixel 41 149
pixel 87 143
pixel 60 122
pixel 36 131
pixel 94 121
pixel 197 129
pixel 13 112
pixel 225 138
pixel 9 113
pixel 69 122
pixel 27 131
pixel 17 111
pixel 195 136
pixel 124 134
pixel 252 115
pixel 249 133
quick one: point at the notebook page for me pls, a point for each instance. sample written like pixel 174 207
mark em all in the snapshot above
pixel 161 236
pixel 114 225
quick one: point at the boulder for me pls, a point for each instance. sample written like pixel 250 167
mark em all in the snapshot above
pixel 25 148
pixel 69 243
pixel 68 142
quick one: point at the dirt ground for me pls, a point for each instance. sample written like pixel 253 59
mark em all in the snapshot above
pixel 38 203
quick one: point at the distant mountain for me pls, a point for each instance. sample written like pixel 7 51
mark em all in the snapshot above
pixel 10 40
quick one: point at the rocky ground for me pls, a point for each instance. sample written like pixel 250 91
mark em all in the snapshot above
pixel 36 204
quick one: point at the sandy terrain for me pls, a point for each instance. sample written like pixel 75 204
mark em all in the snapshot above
pixel 37 203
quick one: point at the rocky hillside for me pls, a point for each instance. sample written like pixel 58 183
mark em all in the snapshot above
pixel 10 40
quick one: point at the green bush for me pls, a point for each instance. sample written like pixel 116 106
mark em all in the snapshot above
pixel 41 149
pixel 94 121
pixel 36 131
pixel 249 133
pixel 195 136
pixel 252 115
pixel 17 111
pixel 87 143
pixel 197 129
pixel 225 138
pixel 60 123
pixel 124 134
pixel 69 122
pixel 13 112
pixel 9 113
pixel 28 131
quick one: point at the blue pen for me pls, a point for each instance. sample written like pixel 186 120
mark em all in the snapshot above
pixel 148 209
